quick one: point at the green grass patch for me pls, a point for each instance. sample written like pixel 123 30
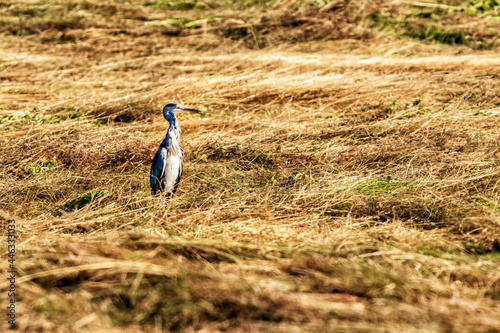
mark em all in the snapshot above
pixel 84 200
pixel 382 185
pixel 438 33
pixel 42 167
pixel 444 25
pixel 175 4
pixel 14 121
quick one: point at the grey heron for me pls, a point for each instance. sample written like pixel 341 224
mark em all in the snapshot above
pixel 166 169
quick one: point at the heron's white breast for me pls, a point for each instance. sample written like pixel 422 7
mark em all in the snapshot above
pixel 172 167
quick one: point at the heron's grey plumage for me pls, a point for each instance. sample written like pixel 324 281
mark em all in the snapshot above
pixel 166 169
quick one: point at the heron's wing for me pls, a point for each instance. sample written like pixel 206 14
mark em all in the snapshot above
pixel 158 171
pixel 178 180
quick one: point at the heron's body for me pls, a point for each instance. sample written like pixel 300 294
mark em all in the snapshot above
pixel 166 169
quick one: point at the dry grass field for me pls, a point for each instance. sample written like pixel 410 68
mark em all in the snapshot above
pixel 343 177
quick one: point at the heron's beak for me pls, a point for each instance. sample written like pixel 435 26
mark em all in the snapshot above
pixel 180 108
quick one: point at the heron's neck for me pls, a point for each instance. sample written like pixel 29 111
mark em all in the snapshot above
pixel 174 127
pixel 173 134
pixel 172 120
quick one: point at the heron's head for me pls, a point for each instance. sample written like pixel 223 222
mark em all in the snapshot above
pixel 174 107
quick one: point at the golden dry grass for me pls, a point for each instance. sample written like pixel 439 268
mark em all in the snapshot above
pixel 343 177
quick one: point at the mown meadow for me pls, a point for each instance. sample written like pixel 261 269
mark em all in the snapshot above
pixel 344 174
